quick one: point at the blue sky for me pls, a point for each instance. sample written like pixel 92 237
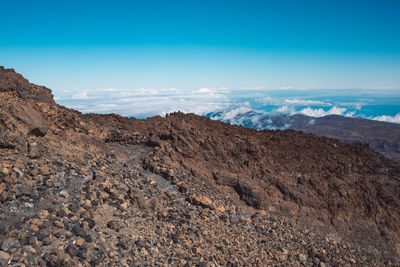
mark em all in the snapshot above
pixel 80 45
pixel 143 58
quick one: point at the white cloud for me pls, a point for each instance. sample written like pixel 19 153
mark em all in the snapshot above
pixel 319 112
pixel 230 115
pixel 204 90
pixel 291 102
pixel 285 110
pixel 108 89
pixel 394 119
pixel 269 101
pixel 82 95
pixel 301 102
pixel 144 102
pixel 273 88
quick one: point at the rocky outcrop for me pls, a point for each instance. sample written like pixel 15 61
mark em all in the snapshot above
pixel 10 81
pixel 90 190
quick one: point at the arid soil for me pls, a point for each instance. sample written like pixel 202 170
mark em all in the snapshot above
pixel 105 190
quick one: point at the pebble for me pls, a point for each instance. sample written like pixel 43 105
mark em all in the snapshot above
pixel 79 242
pixel 5 258
pixel 59 224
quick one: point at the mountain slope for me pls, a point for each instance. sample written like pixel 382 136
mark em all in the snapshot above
pixel 383 137
pixel 95 189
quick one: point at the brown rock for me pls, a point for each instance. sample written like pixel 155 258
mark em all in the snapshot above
pixel 79 242
pixel 5 258
pixel 59 224
pixel 27 113
pixel 201 201
pixel 35 221
pixel 43 213
pixel 124 205
pixel 45 170
pixel 6 171
pixel 2 187
pixel 220 209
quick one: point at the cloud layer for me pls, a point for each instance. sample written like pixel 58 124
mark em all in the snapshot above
pixel 225 104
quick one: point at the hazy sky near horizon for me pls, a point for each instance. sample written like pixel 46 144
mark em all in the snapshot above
pixel 73 46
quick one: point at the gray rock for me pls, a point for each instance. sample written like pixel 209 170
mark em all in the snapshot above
pixel 10 244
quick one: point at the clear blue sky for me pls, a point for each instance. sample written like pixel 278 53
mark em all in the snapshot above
pixel 81 45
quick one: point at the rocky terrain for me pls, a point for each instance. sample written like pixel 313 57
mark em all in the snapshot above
pixel 104 190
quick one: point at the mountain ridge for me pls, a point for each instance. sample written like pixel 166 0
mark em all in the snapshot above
pixel 384 137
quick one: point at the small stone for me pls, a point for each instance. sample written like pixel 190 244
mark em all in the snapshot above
pixel 71 250
pixel 43 213
pixel 124 206
pixel 113 225
pixel 42 234
pixel 10 244
pixel 79 231
pixel 5 258
pixel 47 241
pixel 30 249
pixel 35 228
pixel 91 223
pixel 202 201
pixel 65 258
pixel 121 244
pixel 2 187
pixel 6 171
pixel 175 237
pixel 220 209
pixel 34 150
pixel 245 220
pixel 303 258
pixel 64 193
pixel 315 260
pixel 79 242
pixel 36 221
pixel 58 224
pixel 44 170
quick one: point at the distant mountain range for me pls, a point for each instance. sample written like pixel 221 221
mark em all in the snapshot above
pixel 383 137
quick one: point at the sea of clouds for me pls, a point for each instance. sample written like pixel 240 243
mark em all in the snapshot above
pixel 250 106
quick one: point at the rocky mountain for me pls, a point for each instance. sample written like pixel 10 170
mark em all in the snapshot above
pixel 383 137
pixel 98 190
